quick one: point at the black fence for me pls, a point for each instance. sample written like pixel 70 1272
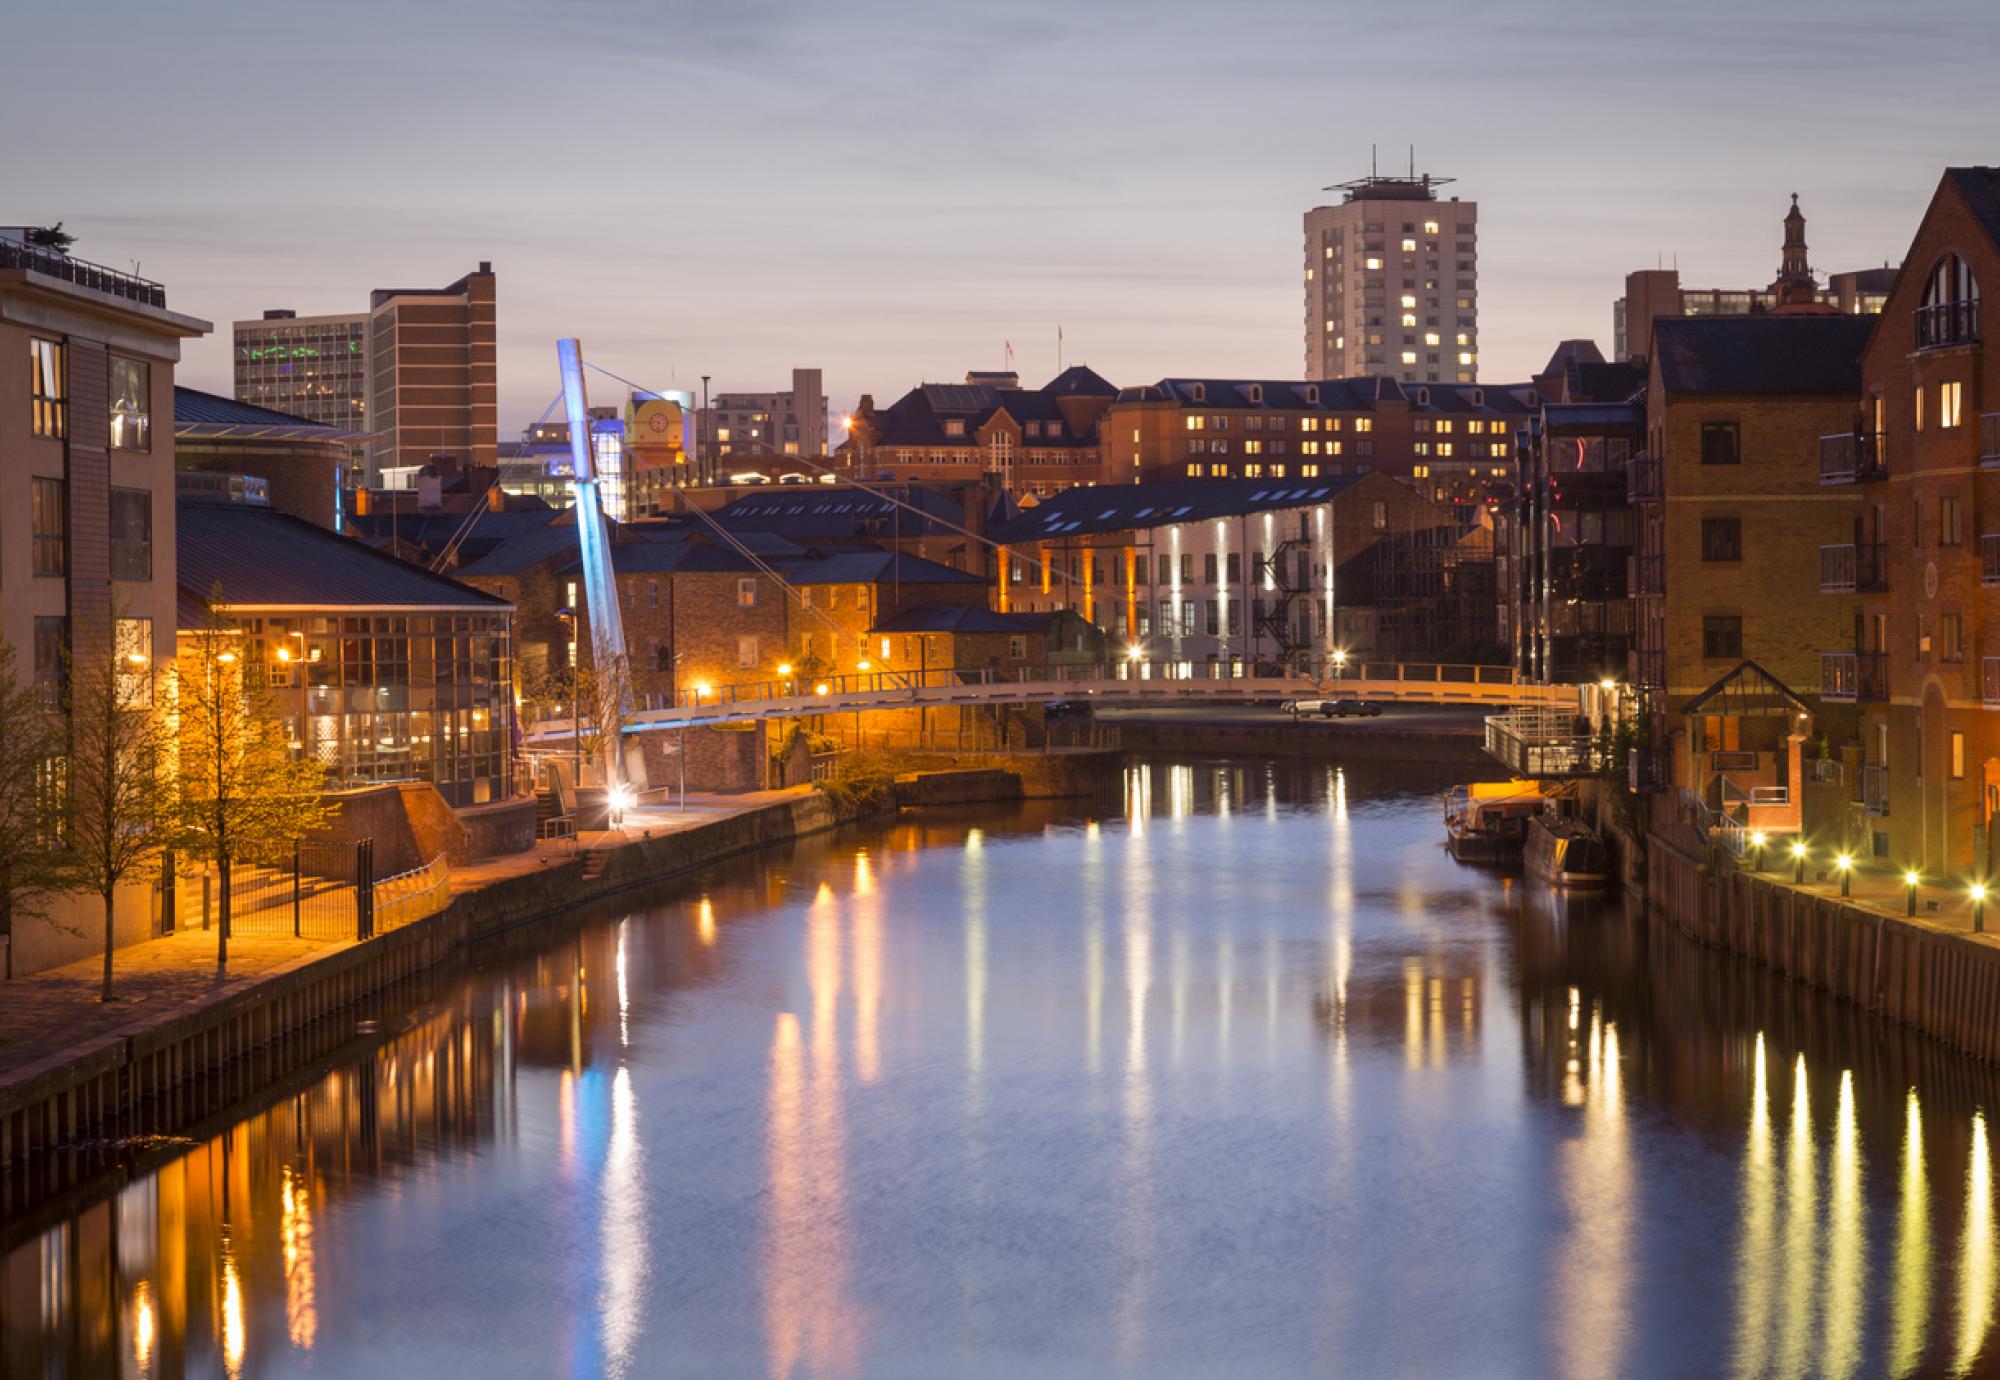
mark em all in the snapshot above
pixel 322 891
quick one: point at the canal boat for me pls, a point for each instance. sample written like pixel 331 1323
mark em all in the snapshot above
pixel 1487 821
pixel 1566 854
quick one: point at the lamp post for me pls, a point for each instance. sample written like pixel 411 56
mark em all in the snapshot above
pixel 1978 907
pixel 1910 888
pixel 1844 864
pixel 1798 861
pixel 1757 847
pixel 568 617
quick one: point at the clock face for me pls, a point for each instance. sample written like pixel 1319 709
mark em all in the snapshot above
pixel 659 422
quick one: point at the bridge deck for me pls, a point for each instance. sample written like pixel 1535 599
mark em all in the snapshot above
pixel 1132 683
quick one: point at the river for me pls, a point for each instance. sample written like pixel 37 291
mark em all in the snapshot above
pixel 1239 1076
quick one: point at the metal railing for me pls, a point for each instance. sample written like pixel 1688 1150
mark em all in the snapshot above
pixel 1943 324
pixel 1854 677
pixel 411 895
pixel 1875 790
pixel 1648 575
pixel 56 264
pixel 1836 569
pixel 1541 742
pixel 1989 682
pixel 1648 668
pixel 1714 825
pixel 1644 480
pixel 1826 770
pixel 1850 457
pixel 1732 761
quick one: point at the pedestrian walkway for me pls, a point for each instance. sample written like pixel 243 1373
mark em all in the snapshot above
pixel 46 1014
pixel 1948 907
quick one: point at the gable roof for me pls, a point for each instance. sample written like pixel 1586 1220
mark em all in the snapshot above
pixel 1981 189
pixel 1761 354
pixel 260 557
pixel 872 567
pixel 816 513
pixel 1122 507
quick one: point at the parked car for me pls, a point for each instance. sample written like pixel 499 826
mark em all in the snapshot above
pixel 1067 711
pixel 1305 706
pixel 1341 709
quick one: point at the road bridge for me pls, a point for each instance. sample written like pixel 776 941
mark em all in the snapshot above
pixel 1110 683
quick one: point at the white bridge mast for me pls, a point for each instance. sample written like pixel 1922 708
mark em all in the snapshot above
pixel 607 626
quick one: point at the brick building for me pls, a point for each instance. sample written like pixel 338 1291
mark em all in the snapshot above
pixel 1191 428
pixel 1039 441
pixel 1919 465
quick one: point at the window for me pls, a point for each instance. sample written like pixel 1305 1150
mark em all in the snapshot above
pixel 50 523
pixel 1719 444
pixel 1721 539
pixel 1208 568
pixel 131 534
pixel 1187 567
pixel 48 391
pixel 746 594
pixel 51 656
pixel 1950 530
pixel 1166 570
pixel 1721 636
pixel 1920 409
pixel 1017 648
pixel 1950 395
pixel 133 648
pixel 1958 756
pixel 1233 569
pixel 652 594
pixel 131 404
pixel 1381 519
pixel 1951 637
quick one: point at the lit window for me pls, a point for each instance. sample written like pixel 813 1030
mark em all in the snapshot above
pixel 1409 356
pixel 746 594
pixel 1409 299
pixel 1949 396
pixel 1464 338
pixel 1371 262
pixel 47 392
pixel 1410 319
pixel 1430 227
pixel 131 404
pixel 1465 356
pixel 1409 246
pixel 1430 337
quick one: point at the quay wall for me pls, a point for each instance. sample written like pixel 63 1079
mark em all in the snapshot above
pixel 1941 981
pixel 1355 742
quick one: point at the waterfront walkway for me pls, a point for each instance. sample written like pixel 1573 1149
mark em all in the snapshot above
pixel 50 1016
pixel 1947 907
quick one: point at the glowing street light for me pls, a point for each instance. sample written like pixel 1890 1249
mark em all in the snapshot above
pixel 862 665
pixel 1339 658
pixel 702 687
pixel 1798 861
pixel 1844 864
pixel 1757 844
pixel 1978 907
pixel 820 689
pixel 785 669
pixel 621 799
pixel 1910 880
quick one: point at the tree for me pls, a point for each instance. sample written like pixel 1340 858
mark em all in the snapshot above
pixel 51 237
pixel 242 795
pixel 120 795
pixel 33 866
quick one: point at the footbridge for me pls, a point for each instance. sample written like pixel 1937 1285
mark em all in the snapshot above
pixel 1103 683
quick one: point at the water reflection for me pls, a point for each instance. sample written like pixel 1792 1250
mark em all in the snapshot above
pixel 975 1093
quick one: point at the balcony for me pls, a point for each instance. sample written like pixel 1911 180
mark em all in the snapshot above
pixel 1836 569
pixel 96 277
pixel 1875 790
pixel 1989 559
pixel 1989 439
pixel 1648 669
pixel 1989 682
pixel 1942 325
pixel 1854 677
pixel 1850 458
pixel 1541 742
pixel 1647 575
pixel 1643 479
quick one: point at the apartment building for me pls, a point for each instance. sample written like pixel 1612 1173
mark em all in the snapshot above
pixel 86 502
pixel 1392 283
pixel 1920 465
pixel 1654 294
pixel 756 430
pixel 1454 442
pixel 1236 573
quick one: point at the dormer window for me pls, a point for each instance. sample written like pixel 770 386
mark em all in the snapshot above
pixel 1423 397
pixel 1256 392
pixel 1200 392
pixel 1479 397
pixel 1312 394
pixel 954 427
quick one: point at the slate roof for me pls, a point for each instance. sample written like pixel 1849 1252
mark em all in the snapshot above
pixel 872 568
pixel 1761 354
pixel 262 557
pixel 671 558
pixel 1981 189
pixel 918 417
pixel 486 554
pixel 1599 381
pixel 821 512
pixel 209 414
pixel 958 618
pixel 1122 507
pixel 1360 394
pixel 1568 352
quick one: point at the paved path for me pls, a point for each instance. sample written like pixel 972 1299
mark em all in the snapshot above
pixel 1886 891
pixel 46 1013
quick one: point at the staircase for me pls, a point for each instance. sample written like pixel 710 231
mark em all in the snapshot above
pixel 595 860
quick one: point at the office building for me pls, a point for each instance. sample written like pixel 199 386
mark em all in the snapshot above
pixel 1392 283
pixel 1033 440
pixel 315 367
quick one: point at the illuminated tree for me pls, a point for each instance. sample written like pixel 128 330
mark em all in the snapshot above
pixel 242 795
pixel 33 867
pixel 120 798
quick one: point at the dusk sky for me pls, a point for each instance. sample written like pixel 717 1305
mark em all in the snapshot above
pixel 892 190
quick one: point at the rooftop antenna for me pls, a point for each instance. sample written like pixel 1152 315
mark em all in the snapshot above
pixel 1413 162
pixel 1374 163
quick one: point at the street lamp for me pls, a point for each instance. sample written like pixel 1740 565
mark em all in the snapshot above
pixel 1757 845
pixel 1339 659
pixel 621 799
pixel 1978 907
pixel 1910 884
pixel 1844 864
pixel 568 618
pixel 1798 861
